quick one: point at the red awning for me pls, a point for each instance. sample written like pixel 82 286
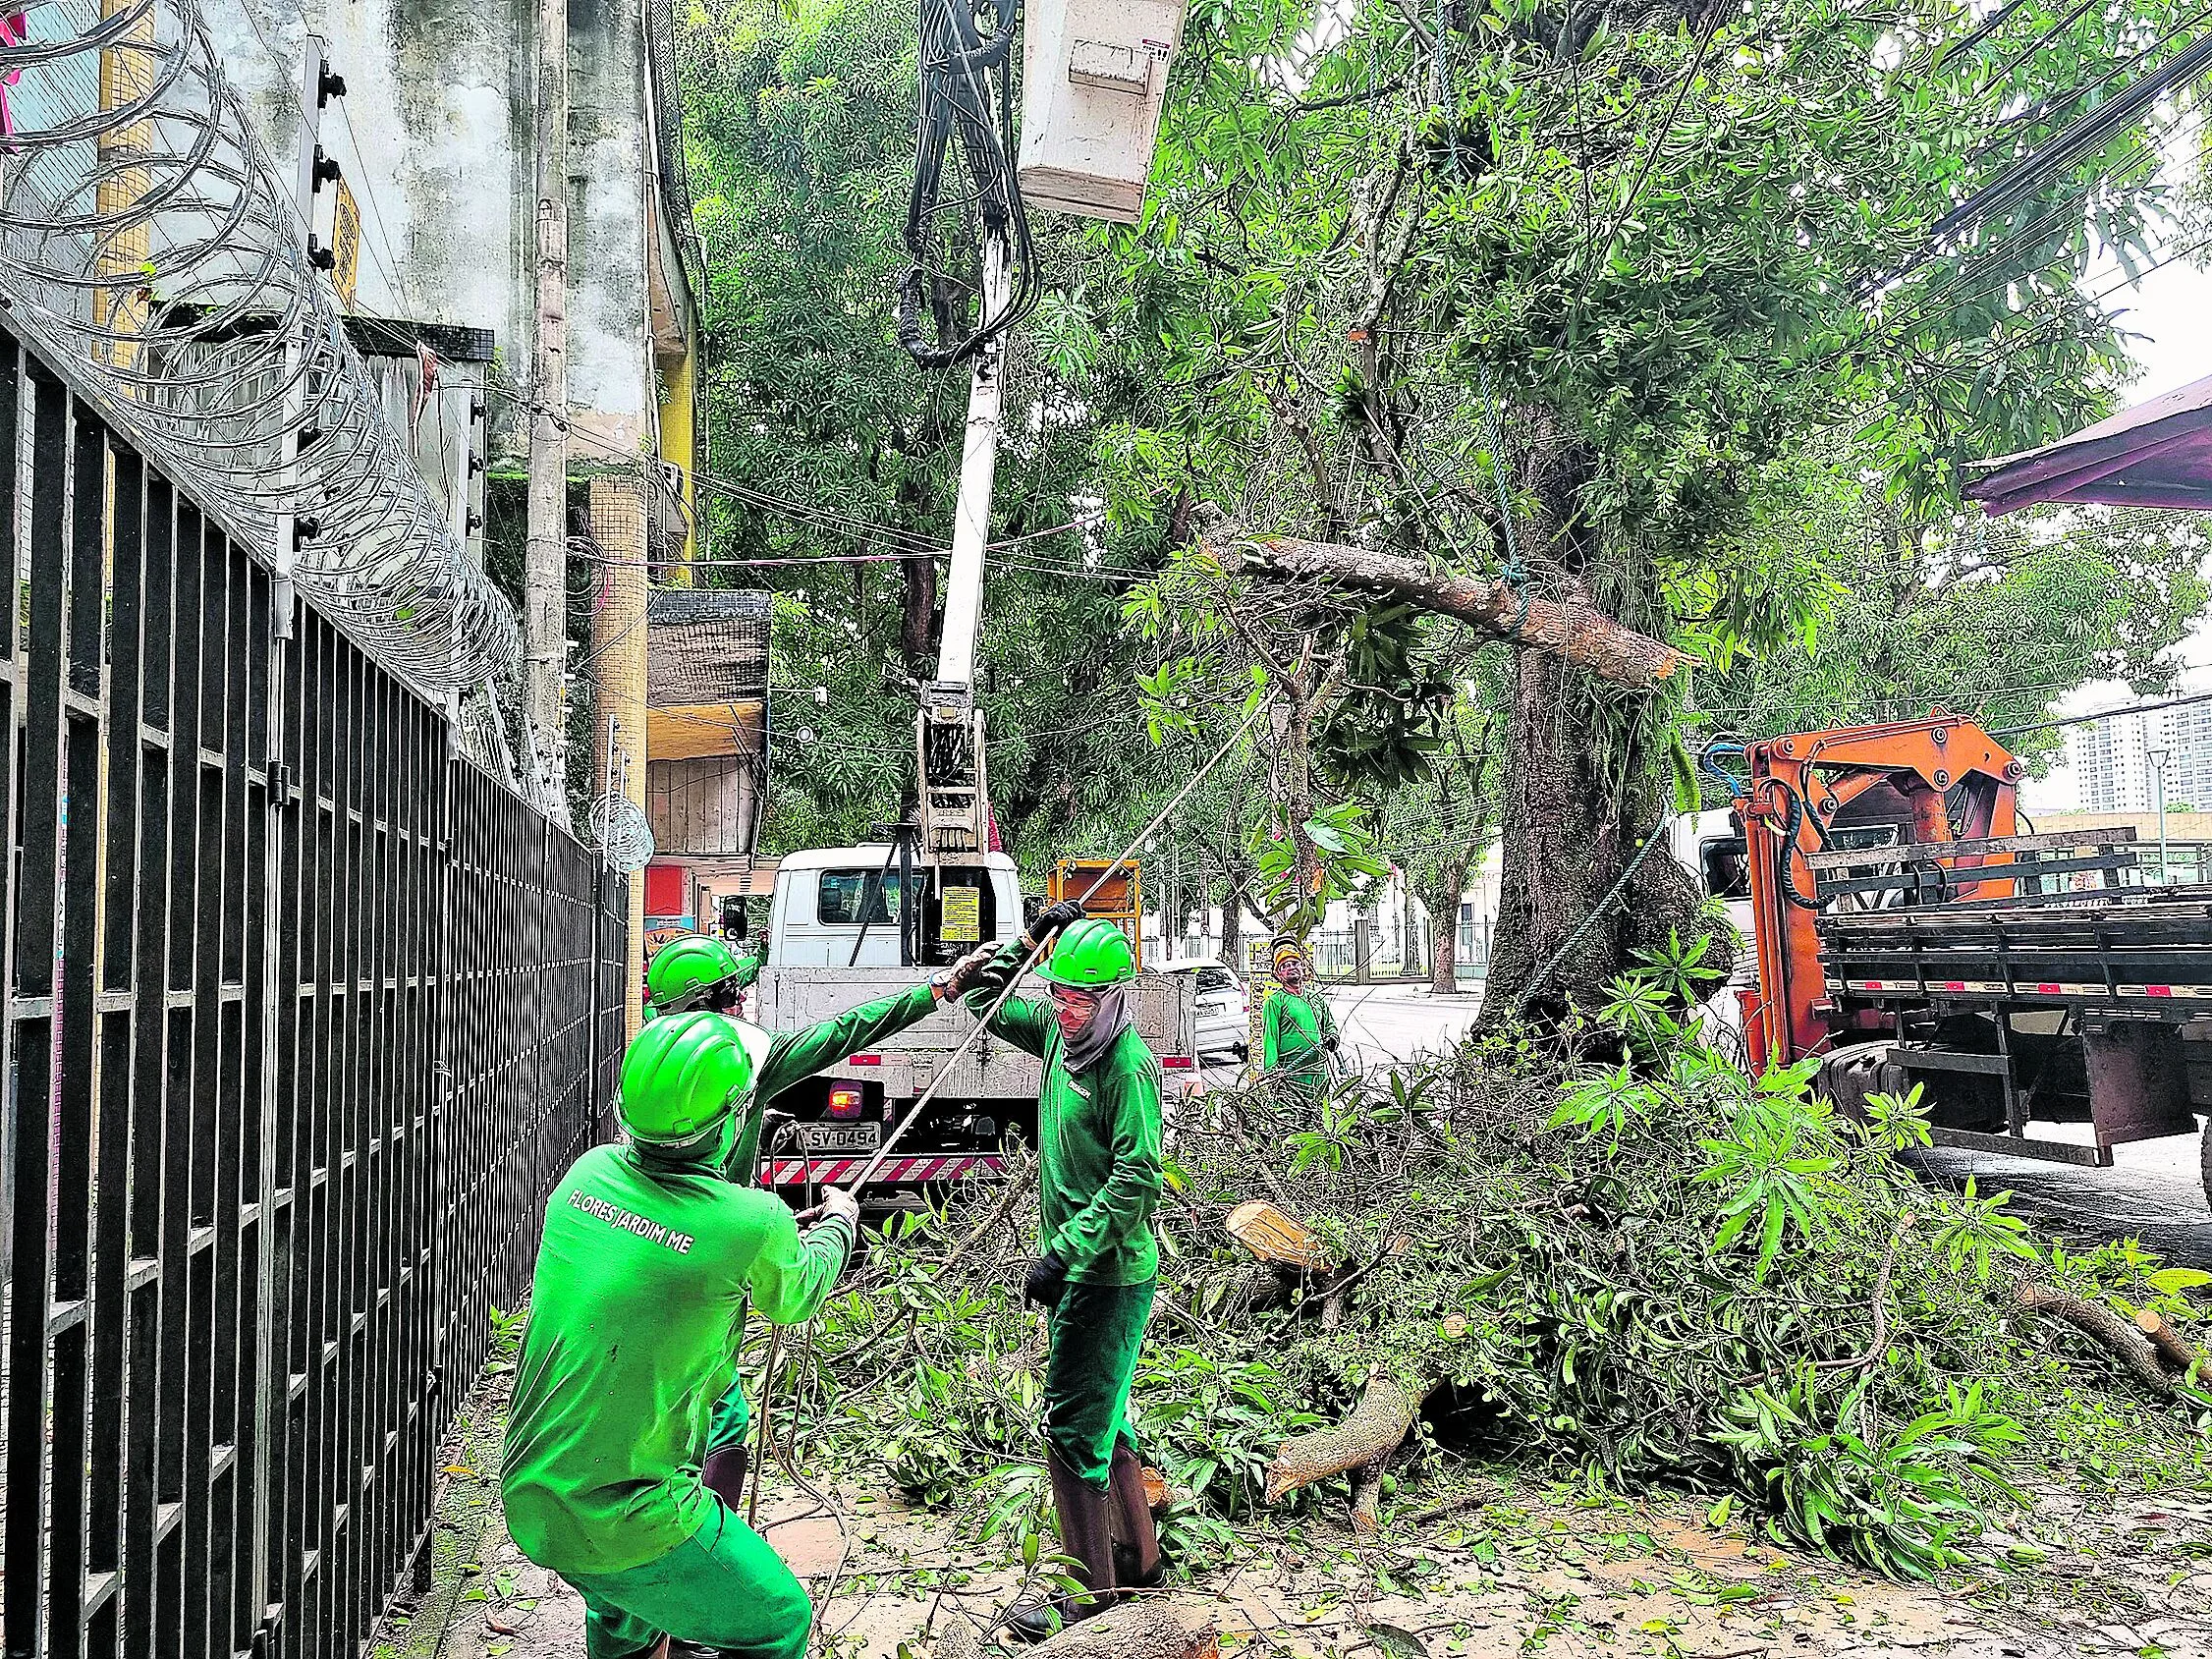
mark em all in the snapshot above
pixel 2158 454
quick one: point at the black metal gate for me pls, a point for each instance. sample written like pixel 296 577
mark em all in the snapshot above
pixel 305 1013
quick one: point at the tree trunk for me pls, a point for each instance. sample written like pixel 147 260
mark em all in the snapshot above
pixel 1232 924
pixel 1409 933
pixel 1444 947
pixel 917 615
pixel 1570 829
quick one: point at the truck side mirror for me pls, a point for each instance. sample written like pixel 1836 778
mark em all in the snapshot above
pixel 733 916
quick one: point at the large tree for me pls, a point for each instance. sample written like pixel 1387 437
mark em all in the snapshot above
pixel 1590 296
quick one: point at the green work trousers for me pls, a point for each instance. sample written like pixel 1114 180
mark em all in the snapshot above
pixel 1096 1332
pixel 723 1589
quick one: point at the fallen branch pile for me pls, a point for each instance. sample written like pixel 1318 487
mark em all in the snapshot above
pixel 1660 1273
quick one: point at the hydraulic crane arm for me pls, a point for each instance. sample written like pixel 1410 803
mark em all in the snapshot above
pixel 1905 781
pixel 949 753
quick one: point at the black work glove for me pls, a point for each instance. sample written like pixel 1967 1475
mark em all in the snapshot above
pixel 965 974
pixel 1053 917
pixel 1046 1281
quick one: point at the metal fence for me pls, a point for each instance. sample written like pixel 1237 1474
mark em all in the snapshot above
pixel 304 1014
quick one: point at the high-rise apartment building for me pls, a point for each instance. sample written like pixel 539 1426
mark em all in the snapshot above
pixel 2114 759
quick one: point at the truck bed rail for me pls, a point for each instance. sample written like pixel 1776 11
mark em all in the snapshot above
pixel 2049 918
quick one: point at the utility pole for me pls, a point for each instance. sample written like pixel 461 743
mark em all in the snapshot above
pixel 546 557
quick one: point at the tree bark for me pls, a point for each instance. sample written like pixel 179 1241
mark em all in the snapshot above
pixel 2175 1355
pixel 1571 630
pixel 1573 823
pixel 918 614
pixel 1148 1627
pixel 1371 1432
pixel 2103 1326
pixel 1443 943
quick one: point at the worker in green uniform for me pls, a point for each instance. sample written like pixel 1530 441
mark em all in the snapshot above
pixel 1299 1034
pixel 697 973
pixel 1098 1147
pixel 647 1259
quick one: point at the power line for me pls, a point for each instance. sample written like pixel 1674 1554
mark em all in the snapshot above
pixel 2105 715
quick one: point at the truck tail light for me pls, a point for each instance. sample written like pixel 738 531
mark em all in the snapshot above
pixel 1177 1063
pixel 866 1060
pixel 845 1103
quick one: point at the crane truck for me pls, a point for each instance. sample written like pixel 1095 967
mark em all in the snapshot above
pixel 1907 931
pixel 850 924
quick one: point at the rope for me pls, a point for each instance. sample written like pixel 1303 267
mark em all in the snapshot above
pixel 1037 949
pixel 1515 574
pixel 1599 909
pixel 803 1341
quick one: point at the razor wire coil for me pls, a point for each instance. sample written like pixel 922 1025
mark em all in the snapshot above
pixel 147 238
pixel 622 832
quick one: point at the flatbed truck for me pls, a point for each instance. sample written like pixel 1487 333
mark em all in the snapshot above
pixel 1909 930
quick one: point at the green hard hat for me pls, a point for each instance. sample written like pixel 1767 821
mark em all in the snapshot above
pixel 1090 955
pixel 685 970
pixel 682 1078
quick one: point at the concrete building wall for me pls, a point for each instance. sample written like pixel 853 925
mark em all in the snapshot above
pixel 610 352
pixel 436 136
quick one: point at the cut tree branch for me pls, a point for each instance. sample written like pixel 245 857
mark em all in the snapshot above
pixel 2175 1355
pixel 1571 630
pixel 1369 1434
pixel 2105 1327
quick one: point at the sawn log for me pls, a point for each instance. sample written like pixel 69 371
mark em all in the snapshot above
pixel 2175 1355
pixel 1573 628
pixel 1370 1432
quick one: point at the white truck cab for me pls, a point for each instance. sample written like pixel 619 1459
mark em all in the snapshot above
pixel 843 930
pixel 841 906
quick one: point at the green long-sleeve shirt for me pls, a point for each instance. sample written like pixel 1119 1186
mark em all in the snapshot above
pixel 1098 1148
pixel 1298 1027
pixel 793 1056
pixel 635 1307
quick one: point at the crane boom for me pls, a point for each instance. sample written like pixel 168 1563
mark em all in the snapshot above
pixel 949 753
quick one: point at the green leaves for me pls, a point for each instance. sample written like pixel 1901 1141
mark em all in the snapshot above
pixel 1773 1180
pixel 1902 1503
pixel 1605 1101
pixel 1975 1229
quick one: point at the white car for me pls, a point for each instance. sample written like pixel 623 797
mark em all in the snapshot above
pixel 1224 1018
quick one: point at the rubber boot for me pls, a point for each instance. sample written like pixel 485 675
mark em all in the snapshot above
pixel 724 1472
pixel 1138 1564
pixel 1086 1533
